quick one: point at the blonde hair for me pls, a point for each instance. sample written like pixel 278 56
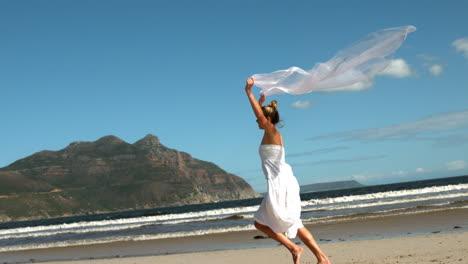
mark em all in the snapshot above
pixel 271 111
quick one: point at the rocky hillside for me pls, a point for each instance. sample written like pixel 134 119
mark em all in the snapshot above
pixel 109 175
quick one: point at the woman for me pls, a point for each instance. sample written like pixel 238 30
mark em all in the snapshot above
pixel 279 213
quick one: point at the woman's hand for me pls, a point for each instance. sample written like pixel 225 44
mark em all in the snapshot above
pixel 249 83
pixel 256 107
pixel 262 99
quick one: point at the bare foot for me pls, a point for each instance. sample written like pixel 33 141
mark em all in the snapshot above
pixel 296 253
pixel 323 260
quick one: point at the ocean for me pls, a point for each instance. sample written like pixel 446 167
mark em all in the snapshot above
pixel 231 216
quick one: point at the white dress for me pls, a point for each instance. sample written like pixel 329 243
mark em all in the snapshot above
pixel 281 206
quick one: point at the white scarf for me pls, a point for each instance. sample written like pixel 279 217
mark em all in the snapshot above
pixel 360 62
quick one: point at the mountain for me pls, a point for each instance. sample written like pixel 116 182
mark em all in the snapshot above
pixel 111 175
pixel 327 186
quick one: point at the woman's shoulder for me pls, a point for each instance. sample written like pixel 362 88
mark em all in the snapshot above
pixel 273 137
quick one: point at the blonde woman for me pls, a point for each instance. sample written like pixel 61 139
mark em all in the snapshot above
pixel 280 211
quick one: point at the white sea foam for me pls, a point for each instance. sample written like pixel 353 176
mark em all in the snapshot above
pixel 133 222
pixel 375 202
pixel 61 229
pixel 86 229
pixel 125 238
pixel 379 214
pixel 330 219
pixel 329 204
pixel 382 195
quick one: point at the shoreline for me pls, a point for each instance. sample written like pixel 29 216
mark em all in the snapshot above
pixel 437 248
pixel 450 222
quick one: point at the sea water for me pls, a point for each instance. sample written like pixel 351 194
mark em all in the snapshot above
pixel 197 220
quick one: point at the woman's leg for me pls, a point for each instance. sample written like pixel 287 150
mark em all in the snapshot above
pixel 310 242
pixel 295 250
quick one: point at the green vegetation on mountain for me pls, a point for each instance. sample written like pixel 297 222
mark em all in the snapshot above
pixel 111 175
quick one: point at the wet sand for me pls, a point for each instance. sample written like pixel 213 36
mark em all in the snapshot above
pixel 436 248
pixel 437 237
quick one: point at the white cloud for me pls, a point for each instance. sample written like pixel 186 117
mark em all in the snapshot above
pixel 366 177
pixel 301 104
pixel 361 177
pixel 420 170
pixel 427 57
pixel 461 45
pixel 400 173
pixel 397 68
pixel 352 88
pixel 343 160
pixel 456 165
pixel 437 123
pixel 447 140
pixel 317 151
pixel 436 69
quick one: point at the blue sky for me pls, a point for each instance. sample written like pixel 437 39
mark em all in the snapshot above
pixel 80 70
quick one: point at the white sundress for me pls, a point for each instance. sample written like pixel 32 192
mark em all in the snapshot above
pixel 281 206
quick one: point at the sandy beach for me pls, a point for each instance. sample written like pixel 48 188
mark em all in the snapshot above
pixel 436 248
pixel 436 237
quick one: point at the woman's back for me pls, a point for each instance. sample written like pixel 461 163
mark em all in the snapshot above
pixel 271 152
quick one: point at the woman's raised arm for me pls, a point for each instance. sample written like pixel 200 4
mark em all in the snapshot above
pixel 257 108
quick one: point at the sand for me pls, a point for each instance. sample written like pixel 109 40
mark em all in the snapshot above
pixel 436 248
pixel 436 237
